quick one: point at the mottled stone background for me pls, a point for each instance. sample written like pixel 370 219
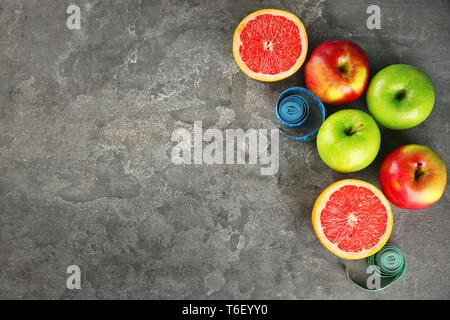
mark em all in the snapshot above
pixel 86 118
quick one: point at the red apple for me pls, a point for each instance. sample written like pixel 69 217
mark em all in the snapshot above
pixel 337 71
pixel 413 177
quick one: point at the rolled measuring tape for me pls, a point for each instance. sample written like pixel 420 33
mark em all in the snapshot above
pixel 388 263
pixel 292 110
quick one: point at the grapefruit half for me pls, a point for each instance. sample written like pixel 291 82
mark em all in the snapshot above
pixel 352 219
pixel 270 45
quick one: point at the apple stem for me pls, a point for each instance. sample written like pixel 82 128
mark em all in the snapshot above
pixel 343 68
pixel 418 172
pixel 352 131
pixel 400 95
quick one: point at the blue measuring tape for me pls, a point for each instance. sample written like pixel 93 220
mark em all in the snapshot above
pixel 292 110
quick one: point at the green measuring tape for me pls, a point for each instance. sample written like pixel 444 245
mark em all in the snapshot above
pixel 388 263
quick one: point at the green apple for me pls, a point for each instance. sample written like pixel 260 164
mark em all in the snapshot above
pixel 349 140
pixel 400 96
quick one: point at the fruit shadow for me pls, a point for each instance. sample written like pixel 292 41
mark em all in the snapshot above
pixel 390 140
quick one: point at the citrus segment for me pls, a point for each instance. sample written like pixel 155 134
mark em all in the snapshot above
pixel 270 45
pixel 352 219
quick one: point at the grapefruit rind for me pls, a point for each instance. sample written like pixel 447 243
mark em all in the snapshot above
pixel 320 205
pixel 270 77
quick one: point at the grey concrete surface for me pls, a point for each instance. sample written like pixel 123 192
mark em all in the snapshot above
pixel 86 118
